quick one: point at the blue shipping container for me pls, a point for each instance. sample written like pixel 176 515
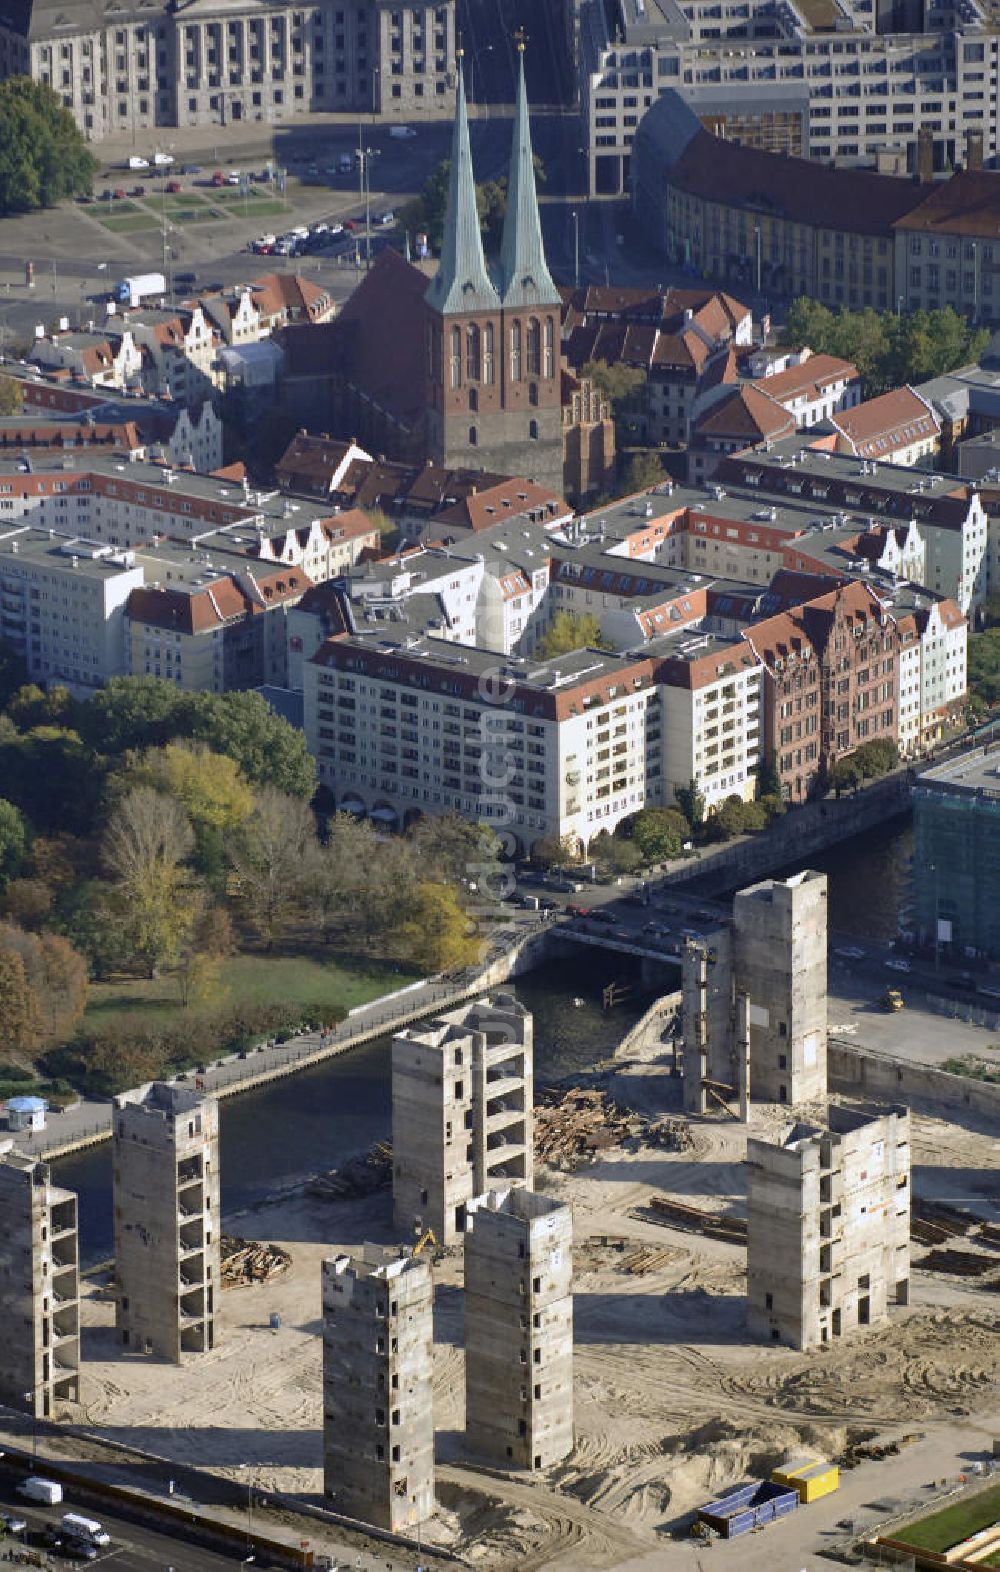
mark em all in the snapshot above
pixel 751 1506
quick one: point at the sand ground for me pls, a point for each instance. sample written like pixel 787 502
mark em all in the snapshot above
pixel 672 1402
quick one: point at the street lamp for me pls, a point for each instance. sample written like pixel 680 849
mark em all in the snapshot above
pixel 250 1553
pixel 576 249
pixel 756 233
pixel 899 305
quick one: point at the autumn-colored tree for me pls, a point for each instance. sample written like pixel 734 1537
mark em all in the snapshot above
pixel 27 902
pixel 13 840
pixel 11 396
pixel 153 892
pixel 209 785
pixel 571 630
pixel 436 934
pixel 17 1006
pixel 271 853
pixel 55 975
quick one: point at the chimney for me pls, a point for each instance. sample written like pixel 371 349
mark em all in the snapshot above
pixel 973 150
pixel 925 155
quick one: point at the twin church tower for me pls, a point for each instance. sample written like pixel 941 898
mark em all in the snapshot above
pixel 492 336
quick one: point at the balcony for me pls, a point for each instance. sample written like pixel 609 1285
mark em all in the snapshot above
pixel 191 1237
pixel 189 1170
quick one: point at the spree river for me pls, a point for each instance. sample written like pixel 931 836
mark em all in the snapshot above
pixel 315 1119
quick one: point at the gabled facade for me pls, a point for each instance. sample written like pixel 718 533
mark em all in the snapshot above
pixel 492 344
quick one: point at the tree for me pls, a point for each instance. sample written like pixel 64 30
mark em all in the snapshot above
pixel 887 349
pixel 271 852
pixel 211 790
pixel 11 396
pixel 53 777
pixel 768 779
pixel 691 803
pixel 613 853
pixel 27 902
pixel 660 833
pixel 13 841
pixel 268 750
pixel 17 1005
pixel 55 976
pixel 43 157
pixel 145 848
pixel 450 847
pixel 32 706
pixel 643 471
pixel 555 851
pixel 622 385
pixel 436 934
pixel 13 673
pixel 134 713
pixel 571 630
pixel 426 213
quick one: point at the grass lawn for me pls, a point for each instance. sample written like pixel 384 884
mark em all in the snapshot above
pixel 191 215
pixel 127 223
pixel 252 979
pixel 943 1529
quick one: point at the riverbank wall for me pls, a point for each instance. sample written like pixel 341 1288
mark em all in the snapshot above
pixel 510 955
pixel 861 1072
pixel 796 837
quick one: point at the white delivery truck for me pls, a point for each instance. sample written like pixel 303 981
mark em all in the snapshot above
pixel 86 1528
pixel 34 1488
pixel 142 286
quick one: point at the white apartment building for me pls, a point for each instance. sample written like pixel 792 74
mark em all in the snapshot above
pixel 847 94
pixel 62 605
pixel 102 359
pixel 711 693
pixel 808 387
pixel 568 747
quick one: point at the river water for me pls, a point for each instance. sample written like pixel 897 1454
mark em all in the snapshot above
pixel 313 1120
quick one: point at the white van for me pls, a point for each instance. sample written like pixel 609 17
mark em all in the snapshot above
pixel 87 1528
pixel 402 133
pixel 34 1488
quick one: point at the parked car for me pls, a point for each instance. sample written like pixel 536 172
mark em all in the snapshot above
pixel 385 219
pixel 119 193
pixel 138 191
pixel 350 225
pixel 190 169
pixel 77 1549
pixel 849 952
pixel 185 278
pixel 896 965
pixel 607 918
pixel 12 1524
pixel 233 177
pixel 218 179
pixel 174 187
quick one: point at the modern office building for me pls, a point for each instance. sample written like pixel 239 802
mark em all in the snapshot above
pixel 956 855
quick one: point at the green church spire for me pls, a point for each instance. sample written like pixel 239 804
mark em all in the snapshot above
pixel 525 279
pixel 462 282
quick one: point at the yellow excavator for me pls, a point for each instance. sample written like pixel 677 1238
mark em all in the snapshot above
pixel 428 1237
pixel 892 1000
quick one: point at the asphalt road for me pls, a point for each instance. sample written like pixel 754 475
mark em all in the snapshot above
pixel 137 1547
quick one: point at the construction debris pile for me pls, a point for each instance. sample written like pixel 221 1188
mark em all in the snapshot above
pixel 868 1450
pixel 579 1123
pixel 960 1263
pixel 359 1176
pixel 248 1261
pixel 571 1125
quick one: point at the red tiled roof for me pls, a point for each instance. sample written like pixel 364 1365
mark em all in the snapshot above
pixel 746 414
pixel 812 376
pixel 879 425
pixel 966 204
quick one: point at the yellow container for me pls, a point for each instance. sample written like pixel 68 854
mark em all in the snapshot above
pixel 811 1479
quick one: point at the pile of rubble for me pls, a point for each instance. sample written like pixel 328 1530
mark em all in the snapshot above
pixel 248 1261
pixel 359 1176
pixel 580 1123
